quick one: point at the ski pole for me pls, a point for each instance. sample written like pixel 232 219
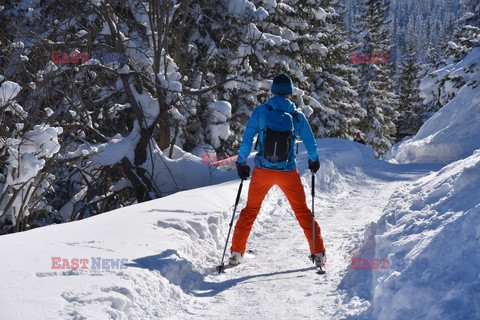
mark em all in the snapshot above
pixel 221 267
pixel 312 256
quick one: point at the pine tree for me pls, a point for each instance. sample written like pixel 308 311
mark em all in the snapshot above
pixel 408 120
pixel 291 39
pixel 376 94
pixel 305 39
pixel 335 79
pixel 288 40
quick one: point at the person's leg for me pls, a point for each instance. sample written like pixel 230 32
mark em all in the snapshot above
pixel 259 186
pixel 291 185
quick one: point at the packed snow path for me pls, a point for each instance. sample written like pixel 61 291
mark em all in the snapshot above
pixel 280 282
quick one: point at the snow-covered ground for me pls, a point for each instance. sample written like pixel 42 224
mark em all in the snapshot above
pixel 171 246
pixel 402 243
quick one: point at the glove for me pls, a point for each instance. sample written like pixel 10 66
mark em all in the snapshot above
pixel 243 171
pixel 313 165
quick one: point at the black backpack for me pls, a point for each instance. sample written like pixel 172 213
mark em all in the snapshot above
pixel 278 137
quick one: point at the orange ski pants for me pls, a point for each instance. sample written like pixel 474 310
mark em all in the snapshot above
pixel 289 182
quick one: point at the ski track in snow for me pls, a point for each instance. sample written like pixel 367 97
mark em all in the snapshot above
pixel 280 282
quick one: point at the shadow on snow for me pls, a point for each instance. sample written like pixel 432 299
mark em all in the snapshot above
pixel 180 272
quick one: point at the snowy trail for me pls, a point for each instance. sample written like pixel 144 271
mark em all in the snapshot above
pixel 280 281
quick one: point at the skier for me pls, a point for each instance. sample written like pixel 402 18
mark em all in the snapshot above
pixel 358 138
pixel 275 164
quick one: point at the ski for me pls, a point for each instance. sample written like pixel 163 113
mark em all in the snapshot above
pixel 320 270
pixel 247 256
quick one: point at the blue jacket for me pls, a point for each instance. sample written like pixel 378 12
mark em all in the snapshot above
pixel 256 123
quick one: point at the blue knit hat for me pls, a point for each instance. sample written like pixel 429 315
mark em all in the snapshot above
pixel 282 84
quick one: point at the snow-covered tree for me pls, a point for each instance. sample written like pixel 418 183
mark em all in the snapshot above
pixel 415 23
pixel 153 70
pixel 467 33
pixel 443 84
pixel 304 39
pixel 335 79
pixel 285 40
pixel 27 152
pixel 408 119
pixel 375 88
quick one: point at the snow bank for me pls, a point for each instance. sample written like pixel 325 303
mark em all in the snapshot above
pixel 186 171
pixel 167 247
pixel 451 134
pixel 183 171
pixel 193 170
pixel 338 157
pixel 202 167
pixel 430 235
pixel 345 153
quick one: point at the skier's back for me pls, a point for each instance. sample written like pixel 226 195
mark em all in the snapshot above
pixel 274 167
